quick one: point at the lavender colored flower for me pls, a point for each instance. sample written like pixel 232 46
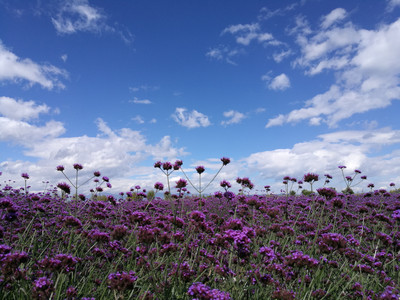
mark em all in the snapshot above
pixel 78 167
pixel 60 168
pixel 167 166
pixel 25 175
pixel 200 169
pixel 157 164
pixel 159 186
pixel 200 291
pixel 225 161
pixel 342 167
pixel 121 281
pixel 310 177
pixel 181 183
pixel 106 179
pixel 64 187
pixel 96 174
pixel 177 165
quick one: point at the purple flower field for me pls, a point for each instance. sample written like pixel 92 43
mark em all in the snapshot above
pixel 225 246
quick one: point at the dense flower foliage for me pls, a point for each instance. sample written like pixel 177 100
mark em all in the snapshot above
pixel 224 246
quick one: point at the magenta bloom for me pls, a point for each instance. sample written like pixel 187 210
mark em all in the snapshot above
pixel 181 183
pixel 177 164
pixel 60 168
pixel 342 167
pixel 25 175
pixel 157 164
pixel 310 177
pixel 159 186
pixel 64 187
pixel 167 166
pixel 225 161
pixel 78 167
pixel 106 179
pixel 200 169
pixel 96 173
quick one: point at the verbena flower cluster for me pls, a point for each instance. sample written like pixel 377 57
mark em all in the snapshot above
pixel 326 245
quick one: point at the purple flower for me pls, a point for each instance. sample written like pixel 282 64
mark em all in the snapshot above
pixel 178 164
pixel 64 187
pixel 159 186
pixel 225 161
pixel 122 281
pixel 342 167
pixel 201 291
pixel 137 187
pixel 25 175
pixel 78 167
pixel 96 173
pixel 106 179
pixel 181 183
pixel 157 164
pixel 60 168
pixel 310 177
pixel 167 166
pixel 200 169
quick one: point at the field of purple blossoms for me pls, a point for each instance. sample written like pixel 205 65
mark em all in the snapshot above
pixel 226 246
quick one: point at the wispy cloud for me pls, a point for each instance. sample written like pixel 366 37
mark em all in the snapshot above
pixel 144 87
pixel 392 4
pixel 138 119
pixel 140 101
pixel 13 68
pixel 224 53
pixel 234 117
pixel 191 119
pixel 78 15
pixel 246 33
pixel 333 17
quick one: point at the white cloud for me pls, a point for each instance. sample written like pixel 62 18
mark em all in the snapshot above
pixel 21 110
pixel 278 57
pixel 280 82
pixel 138 119
pixel 234 117
pixel 246 33
pixel 392 4
pixel 191 119
pixel 116 153
pixel 16 69
pixel 367 66
pixel 64 57
pixel 277 121
pixel 333 17
pixel 354 149
pixel 140 101
pixel 15 128
pixel 223 53
pixel 78 15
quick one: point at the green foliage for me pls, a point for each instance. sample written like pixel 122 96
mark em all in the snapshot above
pixel 306 192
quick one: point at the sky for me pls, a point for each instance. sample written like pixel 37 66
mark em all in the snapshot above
pixel 282 88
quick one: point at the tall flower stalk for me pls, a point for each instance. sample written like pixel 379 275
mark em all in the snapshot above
pixel 167 168
pixel 77 167
pixel 200 169
pixel 349 180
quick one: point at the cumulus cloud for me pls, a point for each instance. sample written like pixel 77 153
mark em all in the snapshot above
pixel 191 119
pixel 354 149
pixel 280 82
pixel 21 110
pixel 116 153
pixel 367 66
pixel 235 117
pixel 13 68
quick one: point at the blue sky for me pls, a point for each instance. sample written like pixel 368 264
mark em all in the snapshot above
pixel 280 87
